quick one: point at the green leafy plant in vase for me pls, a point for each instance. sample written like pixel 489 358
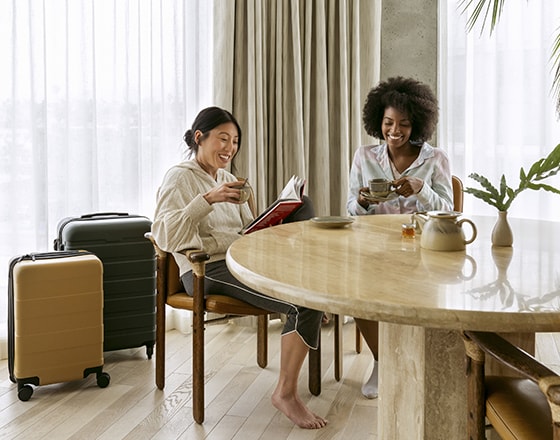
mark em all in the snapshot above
pixel 502 197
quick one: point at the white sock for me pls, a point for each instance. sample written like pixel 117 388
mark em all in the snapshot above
pixel 370 388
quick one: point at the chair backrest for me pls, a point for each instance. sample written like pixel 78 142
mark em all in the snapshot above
pixel 169 283
pixel 457 193
pixel 523 407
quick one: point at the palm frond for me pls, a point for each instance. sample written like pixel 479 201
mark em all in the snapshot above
pixel 555 58
pixel 490 9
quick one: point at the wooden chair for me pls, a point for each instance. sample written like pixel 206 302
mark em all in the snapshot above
pixel 170 292
pixel 458 194
pixel 526 407
pixel 457 186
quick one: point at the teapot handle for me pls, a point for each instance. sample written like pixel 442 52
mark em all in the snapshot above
pixel 474 231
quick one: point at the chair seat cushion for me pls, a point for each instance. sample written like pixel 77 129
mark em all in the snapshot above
pixel 517 409
pixel 216 304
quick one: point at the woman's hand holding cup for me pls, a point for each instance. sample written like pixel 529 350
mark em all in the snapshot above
pixel 244 190
pixel 408 186
pixel 380 187
pixel 233 192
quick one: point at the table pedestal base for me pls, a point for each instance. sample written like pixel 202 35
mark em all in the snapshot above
pixel 422 385
pixel 422 381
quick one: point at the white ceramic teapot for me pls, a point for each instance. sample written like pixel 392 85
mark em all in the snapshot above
pixel 441 231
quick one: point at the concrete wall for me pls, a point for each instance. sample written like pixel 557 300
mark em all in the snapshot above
pixel 409 40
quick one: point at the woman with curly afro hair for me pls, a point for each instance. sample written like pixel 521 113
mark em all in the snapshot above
pixel 403 112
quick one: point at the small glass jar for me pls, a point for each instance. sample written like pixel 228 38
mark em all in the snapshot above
pixel 408 230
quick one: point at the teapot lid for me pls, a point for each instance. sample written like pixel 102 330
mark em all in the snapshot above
pixel 444 214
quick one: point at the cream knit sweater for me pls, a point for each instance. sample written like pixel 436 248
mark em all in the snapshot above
pixel 184 220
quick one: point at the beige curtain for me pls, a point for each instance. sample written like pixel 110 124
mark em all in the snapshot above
pixel 295 73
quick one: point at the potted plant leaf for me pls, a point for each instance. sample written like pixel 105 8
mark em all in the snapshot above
pixel 501 197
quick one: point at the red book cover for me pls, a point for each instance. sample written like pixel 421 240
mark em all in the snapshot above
pixel 288 201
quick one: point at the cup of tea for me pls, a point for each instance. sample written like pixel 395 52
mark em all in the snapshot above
pixel 244 190
pixel 380 187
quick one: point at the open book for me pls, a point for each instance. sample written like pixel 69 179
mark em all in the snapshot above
pixel 288 201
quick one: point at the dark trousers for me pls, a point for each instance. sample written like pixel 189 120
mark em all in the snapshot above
pixel 219 281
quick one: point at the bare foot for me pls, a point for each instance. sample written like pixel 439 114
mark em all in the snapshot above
pixel 297 412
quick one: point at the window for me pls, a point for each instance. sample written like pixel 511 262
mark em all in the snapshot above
pixel 497 112
pixel 94 99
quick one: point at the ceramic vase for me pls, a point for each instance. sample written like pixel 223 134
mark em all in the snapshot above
pixel 501 234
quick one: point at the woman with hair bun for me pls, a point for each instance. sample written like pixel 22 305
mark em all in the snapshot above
pixel 199 206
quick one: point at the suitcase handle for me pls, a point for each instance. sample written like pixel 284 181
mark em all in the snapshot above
pixel 105 214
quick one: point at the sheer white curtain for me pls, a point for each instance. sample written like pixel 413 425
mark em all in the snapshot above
pixel 497 109
pixel 95 96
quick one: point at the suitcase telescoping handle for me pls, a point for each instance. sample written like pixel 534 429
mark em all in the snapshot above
pixel 105 214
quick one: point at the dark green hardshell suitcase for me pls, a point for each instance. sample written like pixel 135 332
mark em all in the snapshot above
pixel 129 273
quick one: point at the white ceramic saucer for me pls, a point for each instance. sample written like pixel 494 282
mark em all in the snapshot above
pixel 373 198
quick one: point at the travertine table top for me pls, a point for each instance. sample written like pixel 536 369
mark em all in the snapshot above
pixel 367 270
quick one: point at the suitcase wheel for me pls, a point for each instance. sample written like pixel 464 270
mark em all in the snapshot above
pixel 103 380
pixel 25 392
pixel 149 350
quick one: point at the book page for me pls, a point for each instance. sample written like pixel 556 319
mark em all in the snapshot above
pixel 293 189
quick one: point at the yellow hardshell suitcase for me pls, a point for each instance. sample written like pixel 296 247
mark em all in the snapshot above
pixel 55 319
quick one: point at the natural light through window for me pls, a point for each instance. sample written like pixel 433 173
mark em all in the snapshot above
pixel 94 100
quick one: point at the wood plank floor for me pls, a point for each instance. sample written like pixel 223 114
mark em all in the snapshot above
pixel 237 394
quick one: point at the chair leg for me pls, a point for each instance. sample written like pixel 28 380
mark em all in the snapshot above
pixel 358 340
pixel 262 341
pixel 198 348
pixel 160 354
pixel 337 347
pixel 475 390
pixel 160 339
pixel 314 373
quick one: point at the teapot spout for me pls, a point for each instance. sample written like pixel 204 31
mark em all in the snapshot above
pixel 419 219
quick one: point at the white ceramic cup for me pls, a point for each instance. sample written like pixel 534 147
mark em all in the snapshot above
pixel 380 187
pixel 244 191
